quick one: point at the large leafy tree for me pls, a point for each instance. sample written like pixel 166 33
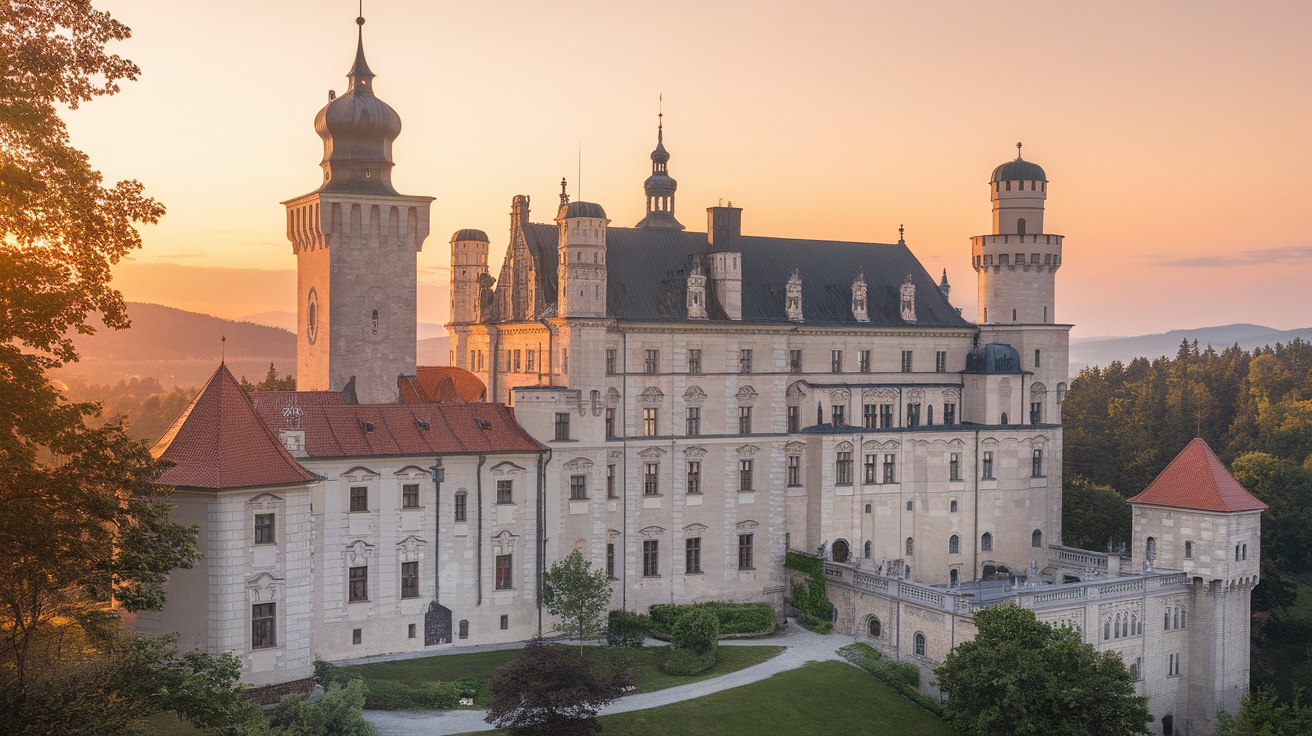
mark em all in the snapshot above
pixel 578 597
pixel 547 691
pixel 1021 676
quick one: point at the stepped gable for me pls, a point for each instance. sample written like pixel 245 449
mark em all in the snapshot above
pixel 647 277
pixel 1196 479
pixel 442 384
pixel 220 442
pixel 334 428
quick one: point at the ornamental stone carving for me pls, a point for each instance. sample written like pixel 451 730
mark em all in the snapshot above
pixel 748 451
pixel 694 396
pixel 578 463
pixel 651 453
pixel 652 532
pixel 873 395
pixel 651 396
pixel 695 451
pixel 746 396
pixel 840 395
pixel 795 394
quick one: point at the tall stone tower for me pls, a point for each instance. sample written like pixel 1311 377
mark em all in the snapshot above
pixel 356 241
pixel 581 258
pixel 660 187
pixel 468 274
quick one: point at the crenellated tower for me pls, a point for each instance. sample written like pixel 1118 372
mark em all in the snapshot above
pixel 356 242
pixel 660 187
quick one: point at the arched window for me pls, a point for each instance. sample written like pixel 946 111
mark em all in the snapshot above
pixel 1004 419
pixel 953 577
pixel 910 546
pixel 1036 539
pixel 986 542
pixel 1166 620
pixel 1182 621
pixel 1020 226
pixel 1245 551
pixel 874 627
pixel 1116 627
pixel 954 545
pixel 839 550
pixel 920 644
pixel 1236 553
pixel 1150 549
pixel 1106 629
pixel 867 550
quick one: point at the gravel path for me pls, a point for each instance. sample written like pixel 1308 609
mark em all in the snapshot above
pixel 802 647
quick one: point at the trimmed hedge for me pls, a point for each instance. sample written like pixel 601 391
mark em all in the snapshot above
pixel 389 695
pixel 902 677
pixel 809 596
pixel 626 629
pixel 735 619
pixel 697 630
pixel 686 662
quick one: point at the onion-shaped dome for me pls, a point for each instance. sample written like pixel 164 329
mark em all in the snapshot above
pixel 660 155
pixel 357 130
pixel 470 234
pixel 994 357
pixel 1018 170
pixel 584 209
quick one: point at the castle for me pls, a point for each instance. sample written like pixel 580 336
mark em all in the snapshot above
pixel 683 408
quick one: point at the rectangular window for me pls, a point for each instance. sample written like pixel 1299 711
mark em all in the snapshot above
pixel 794 419
pixel 794 361
pixel 410 496
pixel 885 416
pixel 794 470
pixel 745 561
pixel 836 415
pixel 460 506
pixel 564 360
pixel 263 631
pixel 843 469
pixel 610 361
pixel 890 468
pixel 863 361
pixel 505 576
pixel 610 560
pixel 610 424
pixel 693 420
pixel 651 479
pixel 694 476
pixel 530 361
pixel 651 558
pixel 1038 363
pixel 1188 550
pixel 409 579
pixel 940 361
pixel 610 482
pixel 1036 464
pixel 357 636
pixel 692 555
pixel 835 361
pixel 1036 412
pixel 694 361
pixel 652 361
pixel 906 361
pixel 913 415
pixel 562 425
pixel 649 416
pixel 505 491
pixel 359 498
pixel 954 466
pixel 505 621
pixel 745 360
pixel 987 466
pixel 411 631
pixel 744 476
pixel 578 488
pixel 264 529
pixel 358 579
pixel 872 469
pixel 518 356
pixel 949 414
pixel 744 420
pixel 870 416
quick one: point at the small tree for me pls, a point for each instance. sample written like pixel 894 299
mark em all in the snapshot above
pixel 1262 714
pixel 545 691
pixel 578 597
pixel 1022 676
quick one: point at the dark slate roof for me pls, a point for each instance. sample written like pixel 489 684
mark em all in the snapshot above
pixel 1018 170
pixel 470 233
pixel 647 277
pixel 994 357
pixel 585 209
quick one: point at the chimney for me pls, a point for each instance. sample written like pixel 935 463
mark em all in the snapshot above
pixel 723 226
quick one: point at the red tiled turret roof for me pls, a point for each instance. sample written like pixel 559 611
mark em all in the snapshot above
pixel 220 442
pixel 1196 479
pixel 443 384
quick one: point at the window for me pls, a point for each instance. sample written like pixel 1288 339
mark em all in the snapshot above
pixel 651 558
pixel 264 529
pixel 745 360
pixel 694 476
pixel 913 415
pixel 610 482
pixel 920 644
pixel 518 363
pixel 1036 464
pixel 794 419
pixel 649 416
pixel 906 361
pixel 1037 363
pixel 564 360
pixel 863 361
pixel 562 425
pixel 693 421
pixel 505 621
pixel 464 628
pixel 874 627
pixel 835 361
pixel 794 361
pixel 954 577
pixel 869 547
pixel 954 545
pixel 744 476
pixel 910 505
pixel 986 542
pixel 949 414
pixel 263 631
pixel 911 546
pixel 1036 539
pixel 745 561
pixel 610 423
pixel 744 420
pixel 505 491
pixel 651 479
pixel 952 506
pixel 843 469
pixel 954 466
pixel 885 416
pixel 869 416
pixel 610 560
pixel 836 415
pixel 652 361
pixel 610 361
pixel 358 580
pixel 461 497
pixel 505 580
pixel 695 361
pixel 411 630
pixel 409 579
pixel 410 496
pixel 794 470
pixel 357 636
pixel 872 469
pixel 359 498
pixel 692 555
pixel 890 468
pixel 1036 412
pixel 986 469
pixel 530 361
pixel 578 488
pixel 1188 550
pixel 1172 665
pixel 1003 420
pixel 940 361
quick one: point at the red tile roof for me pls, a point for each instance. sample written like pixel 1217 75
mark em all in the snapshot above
pixel 334 428
pixel 1196 479
pixel 445 384
pixel 219 442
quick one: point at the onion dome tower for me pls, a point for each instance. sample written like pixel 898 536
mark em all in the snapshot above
pixel 660 187
pixel 356 242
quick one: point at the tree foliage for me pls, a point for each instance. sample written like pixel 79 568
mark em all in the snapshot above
pixel 1093 516
pixel 1021 676
pixel 578 596
pixel 546 691
pixel 1262 714
pixel 271 382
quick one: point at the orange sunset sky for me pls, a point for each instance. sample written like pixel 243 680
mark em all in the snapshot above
pixel 1177 136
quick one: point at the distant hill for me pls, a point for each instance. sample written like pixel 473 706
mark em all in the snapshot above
pixel 1101 351
pixel 434 350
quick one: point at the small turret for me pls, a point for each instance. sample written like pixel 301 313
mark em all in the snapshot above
pixel 468 269
pixel 660 187
pixel 723 226
pixel 581 258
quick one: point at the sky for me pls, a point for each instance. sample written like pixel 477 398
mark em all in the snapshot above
pixel 1175 136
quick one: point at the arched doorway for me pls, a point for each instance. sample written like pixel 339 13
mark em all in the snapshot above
pixel 839 550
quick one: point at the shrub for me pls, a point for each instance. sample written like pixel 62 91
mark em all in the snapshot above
pixel 697 630
pixel 734 618
pixel 809 596
pixel 685 662
pixel 327 673
pixel 337 712
pixel 389 695
pixel 901 676
pixel 626 629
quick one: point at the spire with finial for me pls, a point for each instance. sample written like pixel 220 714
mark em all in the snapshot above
pixel 1017 150
pixel 659 187
pixel 564 192
pixel 943 284
pixel 901 232
pixel 360 74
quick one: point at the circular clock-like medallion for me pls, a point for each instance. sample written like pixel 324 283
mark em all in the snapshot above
pixel 312 316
